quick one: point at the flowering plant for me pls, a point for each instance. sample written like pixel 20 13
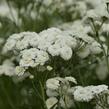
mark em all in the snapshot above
pixel 54 53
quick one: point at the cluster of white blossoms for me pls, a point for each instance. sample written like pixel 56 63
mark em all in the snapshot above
pixel 59 87
pixel 96 14
pixel 34 49
pixel 7 68
pixel 21 41
pixel 33 57
pixel 86 94
pixel 59 90
pixel 87 44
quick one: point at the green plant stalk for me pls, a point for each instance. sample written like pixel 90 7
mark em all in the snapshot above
pixel 97 36
pixel 43 95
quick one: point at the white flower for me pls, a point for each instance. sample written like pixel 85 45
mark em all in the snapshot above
pixel 71 79
pixel 54 50
pixel 49 68
pixel 53 83
pixel 51 102
pixel 10 45
pixel 83 94
pixel 95 48
pixel 20 70
pixel 68 40
pixel 27 63
pixel 22 41
pixel 98 89
pixel 88 93
pixel 96 14
pixel 33 57
pixel 84 52
pixel 105 27
pixel 66 53
pixel 92 14
pixel 7 68
pixel 31 76
pixel 29 53
pixel 42 57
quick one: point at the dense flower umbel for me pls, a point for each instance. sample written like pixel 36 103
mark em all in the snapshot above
pixel 34 49
pixel 88 93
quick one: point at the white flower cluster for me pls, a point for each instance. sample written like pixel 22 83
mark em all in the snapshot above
pixel 86 94
pixel 21 41
pixel 57 42
pixel 97 10
pixel 34 49
pixel 86 44
pixel 33 57
pixel 54 83
pixel 59 87
pixel 7 68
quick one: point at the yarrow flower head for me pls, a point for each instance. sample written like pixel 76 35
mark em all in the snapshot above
pixel 86 94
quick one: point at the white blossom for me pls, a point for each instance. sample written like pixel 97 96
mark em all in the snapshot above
pixel 88 93
pixel 71 79
pixel 20 70
pixel 53 83
pixel 7 68
pixel 49 68
pixel 50 102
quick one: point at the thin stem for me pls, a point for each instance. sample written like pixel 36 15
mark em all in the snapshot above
pixel 36 90
pixel 66 107
pixel 97 36
pixel 43 94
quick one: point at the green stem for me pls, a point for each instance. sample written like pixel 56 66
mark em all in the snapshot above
pixel 37 92
pixel 66 107
pixel 43 95
pixel 97 36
